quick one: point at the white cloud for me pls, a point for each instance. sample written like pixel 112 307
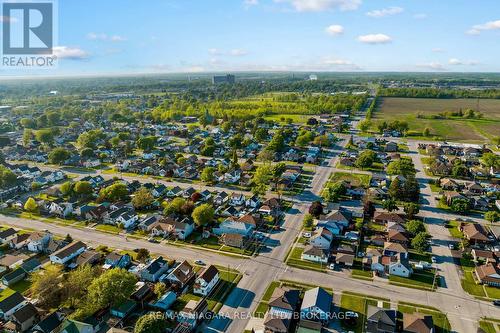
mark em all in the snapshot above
pixel 437 50
pixel 334 30
pixel 322 5
pixel 435 66
pixel 238 52
pixel 105 37
pixel 456 62
pixel 476 29
pixel 385 12
pixel 375 39
pixel 339 63
pixel 72 53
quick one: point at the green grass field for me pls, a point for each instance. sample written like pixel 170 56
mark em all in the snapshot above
pixel 356 179
pixel 469 130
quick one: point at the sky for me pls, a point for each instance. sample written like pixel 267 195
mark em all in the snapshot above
pixel 156 36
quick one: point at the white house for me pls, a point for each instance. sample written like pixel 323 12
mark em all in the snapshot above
pixel 235 226
pixel 206 281
pixel 67 253
pixel 316 305
pixel 237 199
pixel 323 239
pixel 400 269
pixel 127 219
pixel 38 241
pixel 315 254
pixel 11 304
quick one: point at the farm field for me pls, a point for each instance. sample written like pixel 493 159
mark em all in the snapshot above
pixel 456 129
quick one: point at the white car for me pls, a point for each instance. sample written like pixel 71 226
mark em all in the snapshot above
pixel 331 266
pixel 451 246
pixel 434 260
pixel 306 235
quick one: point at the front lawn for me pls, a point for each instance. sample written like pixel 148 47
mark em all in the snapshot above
pixel 295 260
pixel 420 279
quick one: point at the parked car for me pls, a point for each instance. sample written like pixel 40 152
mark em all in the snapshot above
pixel 306 235
pixel 199 262
pixel 451 246
pixel 331 266
pixel 496 302
pixel 434 260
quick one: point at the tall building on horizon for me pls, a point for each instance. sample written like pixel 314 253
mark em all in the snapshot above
pixel 218 79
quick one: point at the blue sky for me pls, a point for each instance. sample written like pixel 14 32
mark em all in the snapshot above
pixel 127 36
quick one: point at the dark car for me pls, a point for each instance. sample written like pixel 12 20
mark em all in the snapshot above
pixel 496 302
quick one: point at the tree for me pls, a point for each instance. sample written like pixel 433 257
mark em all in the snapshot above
pixel 366 159
pixel 415 226
pixel 142 198
pixel 334 191
pixel 83 188
pixel 491 216
pixel 277 143
pixel 203 214
pixel 322 140
pixel 160 289
pixel 207 175
pixel 58 155
pixel 260 134
pixel 68 239
pixel 89 139
pixel 491 160
pixel 395 189
pixel 150 323
pixel 115 192
pixel 113 287
pixel 261 178
pixel 316 209
pixel 411 209
pixel 42 286
pixel 427 132
pixel 460 205
pixel 67 188
pixel 30 205
pixel 75 286
pixel 174 206
pixel 389 205
pixel 45 136
pixel 7 177
pixel 403 166
pixel 364 125
pixel 27 136
pixel 142 254
pixel 420 242
pixel 146 143
pixel 308 221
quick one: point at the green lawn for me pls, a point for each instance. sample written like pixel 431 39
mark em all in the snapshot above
pixel 295 260
pixel 419 280
pixel 351 301
pixel 470 286
pixel 356 179
pixel 487 326
pixel 453 229
pixel 108 228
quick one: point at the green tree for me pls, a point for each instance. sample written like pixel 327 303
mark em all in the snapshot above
pixel 58 155
pixel 67 188
pixel 27 136
pixel 366 159
pixel 261 134
pixel 420 242
pixel 203 214
pixel 334 191
pixel 160 289
pixel 147 143
pixel 460 205
pixel 42 286
pixel 142 254
pixel 389 205
pixel 83 188
pixel 30 205
pixel 491 160
pixel 150 323
pixel 364 125
pixel 491 216
pixel 90 139
pixel 411 209
pixel 45 136
pixel 415 226
pixel 7 177
pixel 261 178
pixel 316 208
pixel 142 198
pixel 207 175
pixel 427 132
pixel 75 286
pixel 115 192
pixel 174 206
pixel 403 166
pixel 308 221
pixel 112 288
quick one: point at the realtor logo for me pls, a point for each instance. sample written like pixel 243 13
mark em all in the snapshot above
pixel 28 29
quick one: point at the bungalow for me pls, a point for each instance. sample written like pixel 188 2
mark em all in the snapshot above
pixel 174 192
pixel 488 274
pixel 483 255
pixel 244 226
pixel 49 324
pixel 331 226
pixel 392 249
pixel 396 236
pixel 417 323
pixel 154 269
pixel 449 184
pixel 316 305
pixel 237 199
pixel 323 239
pixel 114 259
pixel 233 240
pixel 380 320
pixel 181 275
pixel 180 229
pixel 123 310
pixel 221 198
pixel 315 254
pixel 11 304
pixel 474 232
pixel 341 217
pixel 19 241
pixel 25 318
pixel 67 253
pixel 385 217
pixel 16 275
pixel 283 303
pixel 344 259
pixel 206 281
pixel 7 235
pixel 401 267
pixel 165 301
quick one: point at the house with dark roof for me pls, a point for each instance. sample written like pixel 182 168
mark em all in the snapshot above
pixel 282 306
pixel 315 254
pixel 206 281
pixel 11 304
pixel 49 324
pixel 114 259
pixel 154 269
pixel 181 275
pixel 316 305
pixel 380 320
pixel 25 317
pixel 6 235
pixel 417 323
pixel 67 253
pixel 16 275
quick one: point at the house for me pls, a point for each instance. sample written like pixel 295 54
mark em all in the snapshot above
pixel 380 320
pixel 322 239
pixel 237 199
pixel 234 240
pixel 391 146
pixel 396 236
pixel 341 217
pixel 483 255
pixel 206 281
pixel 114 259
pixel 12 260
pixel 38 241
pixel 192 313
pixel 49 324
pixel 401 267
pixel 11 304
pixel 385 217
pixel 448 184
pixel 181 275
pixel 315 254
pixel 282 306
pixel 392 249
pixel 154 269
pixel 417 323
pixel 67 253
pixel 165 301
pixel 316 305
pixel 25 318
pixel 474 232
pixel 88 257
pixel 7 235
pixel 20 241
pixel 60 208
pixel 221 198
pixel 124 309
pixel 344 259
pixel 244 225
pixel 180 229
pixel 16 275
pixel 488 274
pixel 334 228
pixel 271 207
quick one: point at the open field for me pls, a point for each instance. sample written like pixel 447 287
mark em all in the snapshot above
pixel 455 129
